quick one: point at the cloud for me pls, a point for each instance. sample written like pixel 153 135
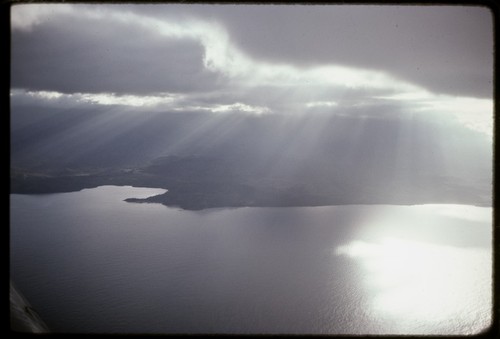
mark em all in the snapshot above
pixel 473 113
pixel 446 49
pixel 167 102
pixel 364 60
pixel 81 53
pixel 24 17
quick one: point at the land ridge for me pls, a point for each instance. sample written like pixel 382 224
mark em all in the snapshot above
pixel 196 183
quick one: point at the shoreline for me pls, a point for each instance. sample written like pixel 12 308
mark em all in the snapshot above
pixel 186 201
pixel 23 317
pixel 199 193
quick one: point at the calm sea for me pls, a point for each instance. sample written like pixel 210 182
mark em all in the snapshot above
pixel 90 262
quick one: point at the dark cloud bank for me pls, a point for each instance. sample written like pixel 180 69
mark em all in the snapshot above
pixel 95 57
pixel 445 49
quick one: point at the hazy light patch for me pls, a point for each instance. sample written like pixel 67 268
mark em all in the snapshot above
pixel 239 107
pixel 308 81
pixel 408 96
pixel 321 104
pixel 265 74
pixel 479 122
pixel 45 95
pixel 166 99
pixel 220 55
pixel 180 29
pixel 355 78
pixel 126 100
pixel 473 113
pixel 466 212
pixel 420 283
pixel 26 16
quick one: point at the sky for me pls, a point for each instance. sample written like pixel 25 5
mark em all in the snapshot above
pixel 257 59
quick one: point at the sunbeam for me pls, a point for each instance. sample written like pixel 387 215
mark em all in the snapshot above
pixel 320 169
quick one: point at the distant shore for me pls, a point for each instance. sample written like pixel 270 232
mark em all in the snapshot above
pixel 204 193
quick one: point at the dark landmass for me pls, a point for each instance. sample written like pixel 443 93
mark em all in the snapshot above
pixel 207 161
pixel 196 183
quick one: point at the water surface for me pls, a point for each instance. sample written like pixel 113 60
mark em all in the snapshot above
pixel 90 262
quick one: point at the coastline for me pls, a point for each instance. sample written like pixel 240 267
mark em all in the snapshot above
pixel 23 317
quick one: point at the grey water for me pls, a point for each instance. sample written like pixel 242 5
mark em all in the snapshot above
pixel 89 262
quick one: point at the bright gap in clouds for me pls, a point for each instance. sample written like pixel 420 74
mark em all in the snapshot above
pixel 473 113
pixel 239 107
pixel 166 101
pixel 101 98
pixel 321 104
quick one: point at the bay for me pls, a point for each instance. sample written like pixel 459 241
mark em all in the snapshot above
pixel 90 262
